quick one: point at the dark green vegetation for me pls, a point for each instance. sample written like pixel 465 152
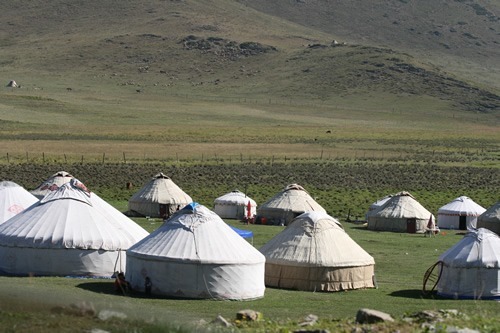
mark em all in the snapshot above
pixel 342 188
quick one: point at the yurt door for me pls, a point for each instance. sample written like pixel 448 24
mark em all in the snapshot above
pixel 163 211
pixel 462 223
pixel 411 226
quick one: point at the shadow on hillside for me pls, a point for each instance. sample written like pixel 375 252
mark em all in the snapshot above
pixel 414 293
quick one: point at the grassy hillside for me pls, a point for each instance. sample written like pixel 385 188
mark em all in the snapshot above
pixel 226 48
pixel 460 36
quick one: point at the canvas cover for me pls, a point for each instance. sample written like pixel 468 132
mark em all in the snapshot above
pixel 281 209
pixel 377 204
pixel 70 231
pixel 463 207
pixel 314 253
pixel 234 205
pixel 471 268
pixel 195 254
pixel 52 184
pixel 490 219
pixel 13 200
pixel 160 197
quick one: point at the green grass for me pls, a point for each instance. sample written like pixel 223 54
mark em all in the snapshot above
pixel 401 260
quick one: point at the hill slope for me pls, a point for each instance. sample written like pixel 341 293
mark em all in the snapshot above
pixel 259 49
pixel 460 35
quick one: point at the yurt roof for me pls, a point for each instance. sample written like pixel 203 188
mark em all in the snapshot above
pixel 52 183
pixel 402 205
pixel 379 203
pixel 13 199
pixel 235 198
pixel 198 235
pixel 492 214
pixel 293 198
pixel 71 218
pixel 161 189
pixel 463 206
pixel 479 248
pixel 315 239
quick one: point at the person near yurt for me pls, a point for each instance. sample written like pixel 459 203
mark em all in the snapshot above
pixel 160 197
pixel 289 203
pixel 195 254
pixel 460 213
pixel 401 213
pixel 470 269
pixel 52 184
pixel 69 232
pixel 490 219
pixel 314 253
pixel 235 205
pixel 13 200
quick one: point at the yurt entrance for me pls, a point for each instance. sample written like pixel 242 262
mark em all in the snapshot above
pixel 411 226
pixel 462 224
pixel 164 211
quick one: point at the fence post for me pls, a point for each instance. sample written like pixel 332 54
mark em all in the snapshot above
pixel 124 159
pixel 8 159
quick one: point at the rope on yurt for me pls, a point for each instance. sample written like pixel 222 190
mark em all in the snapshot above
pixel 118 260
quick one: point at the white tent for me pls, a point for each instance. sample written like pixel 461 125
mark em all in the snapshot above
pixel 314 253
pixel 195 254
pixel 471 268
pixel 70 231
pixel 160 197
pixel 401 213
pixel 490 219
pixel 234 205
pixel 461 213
pixel 13 200
pixel 281 209
pixel 52 184
pixel 12 84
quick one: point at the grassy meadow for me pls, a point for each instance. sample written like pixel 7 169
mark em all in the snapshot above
pixel 401 260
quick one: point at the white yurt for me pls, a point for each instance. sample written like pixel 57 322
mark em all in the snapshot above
pixel 70 232
pixel 490 219
pixel 314 253
pixel 52 184
pixel 195 254
pixel 471 268
pixel 13 200
pixel 234 205
pixel 460 213
pixel 281 209
pixel 160 197
pixel 401 213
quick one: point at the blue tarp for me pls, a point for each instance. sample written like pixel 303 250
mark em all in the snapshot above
pixel 243 233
